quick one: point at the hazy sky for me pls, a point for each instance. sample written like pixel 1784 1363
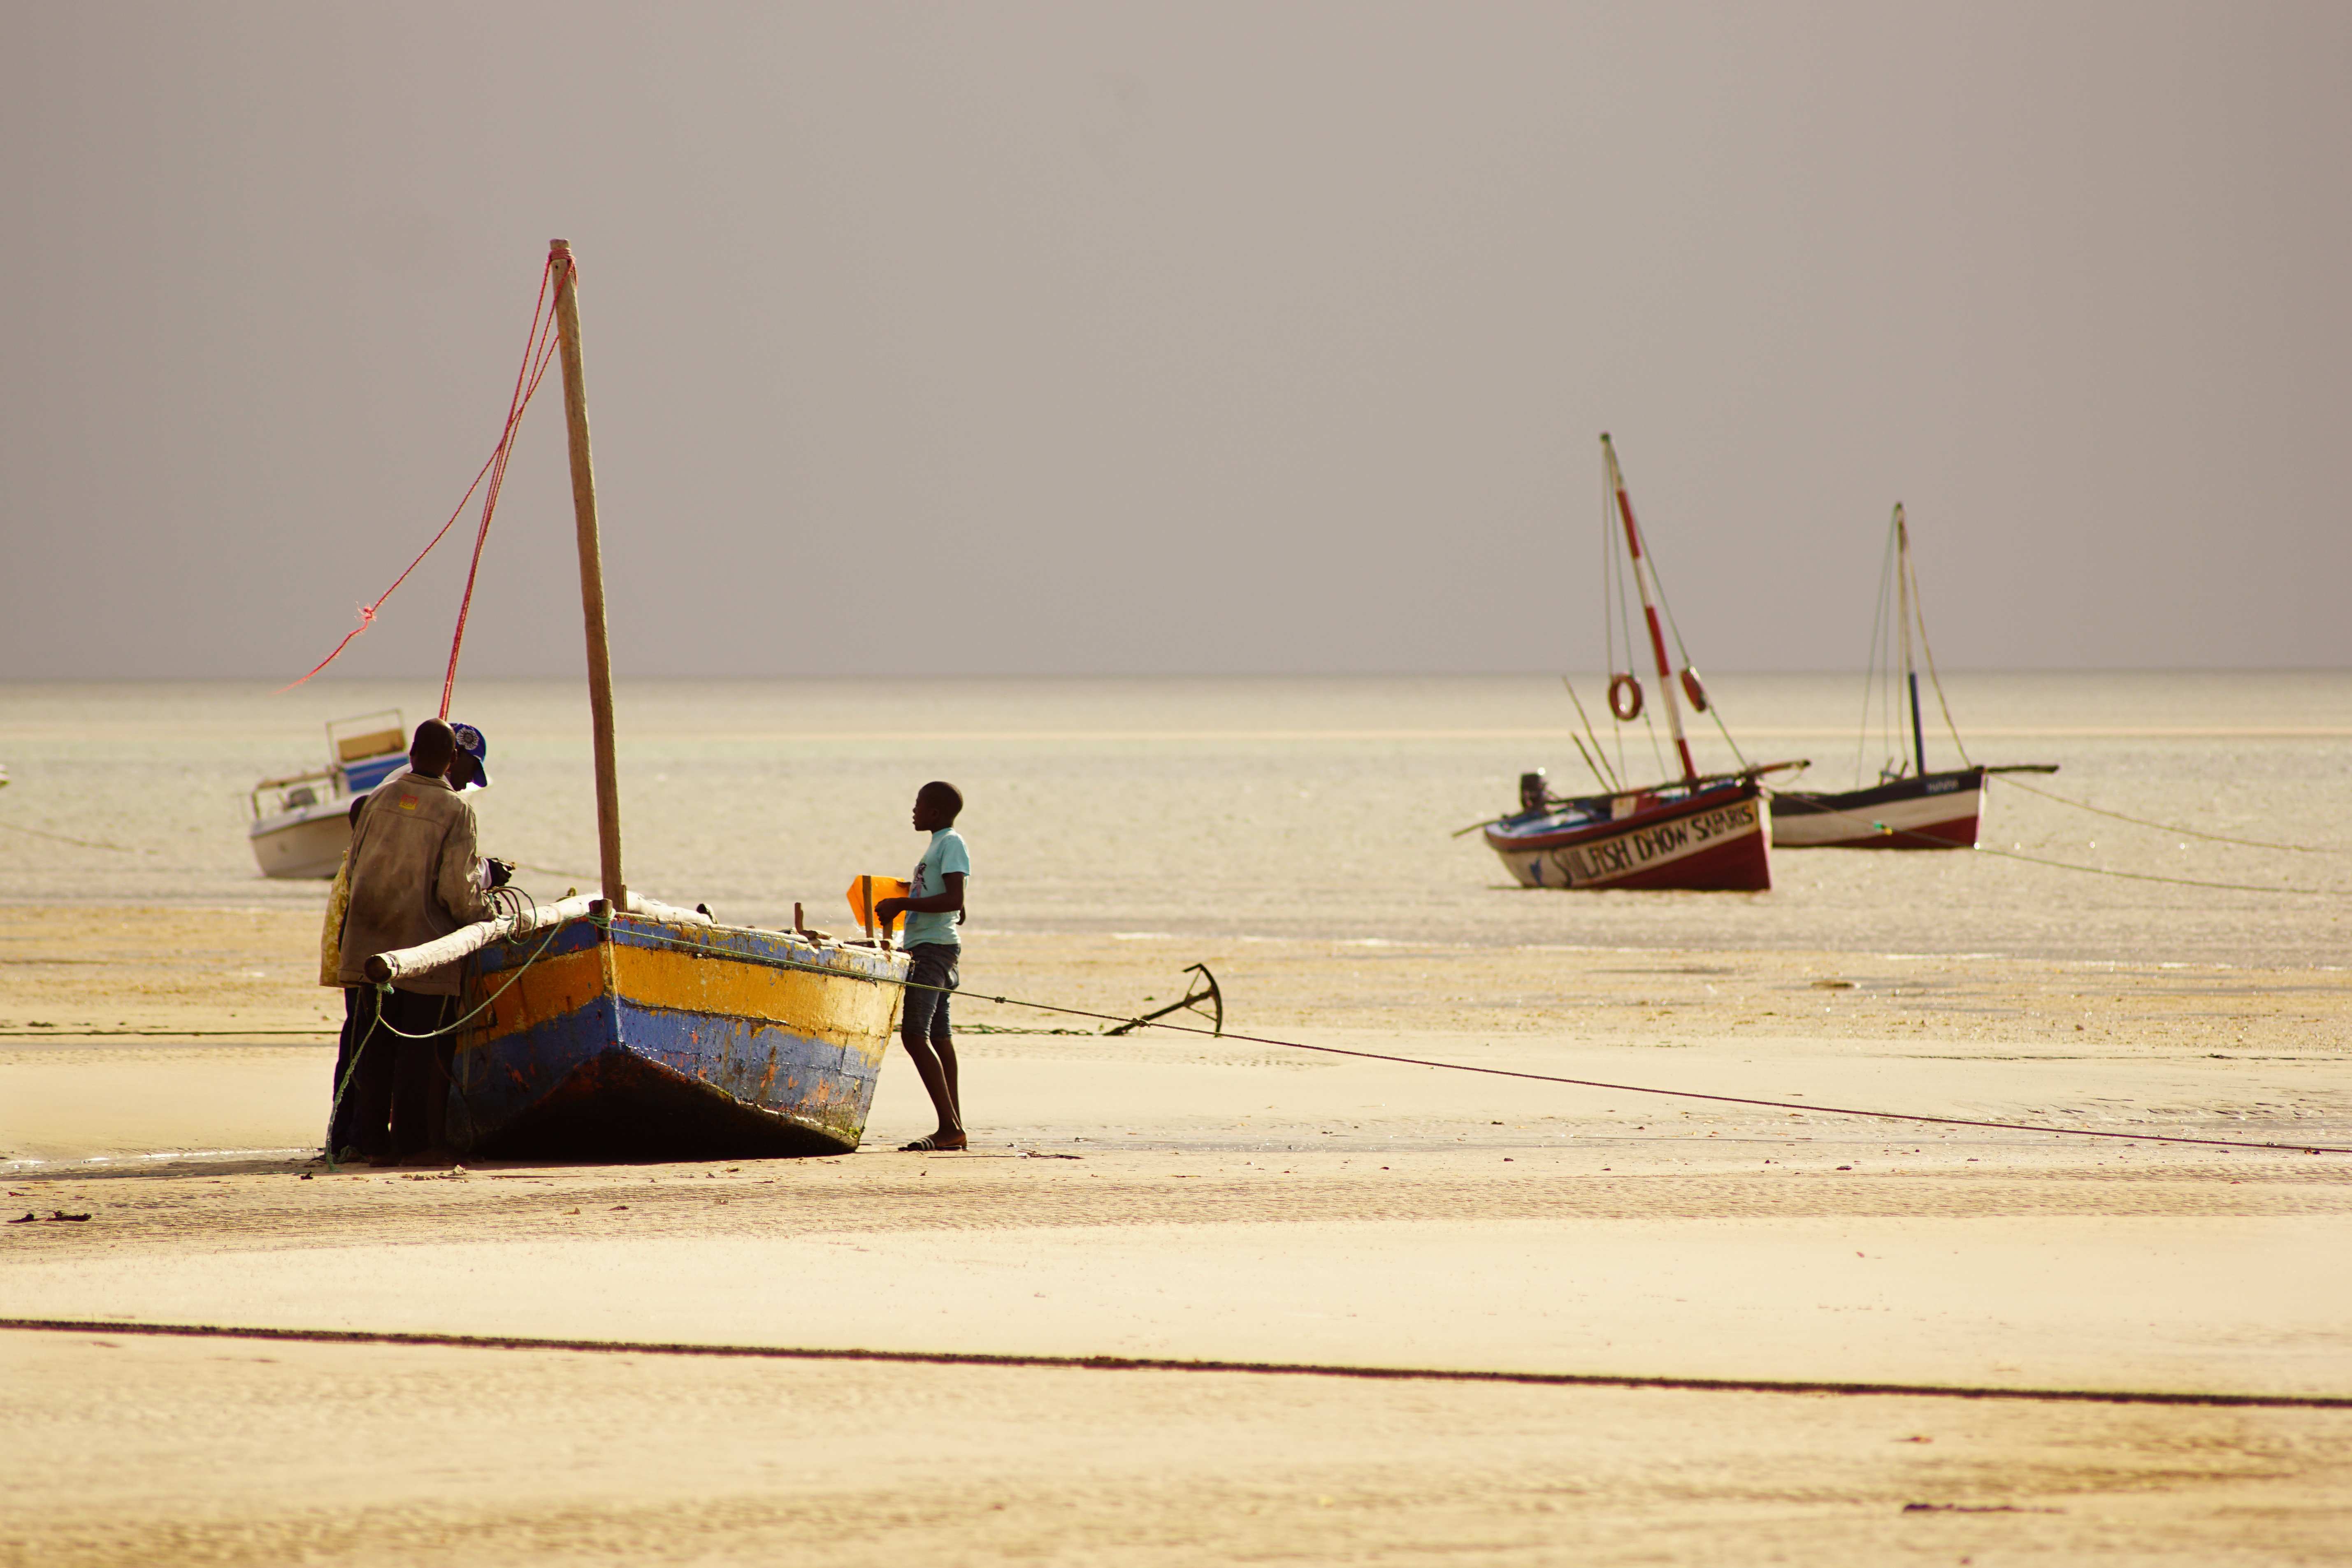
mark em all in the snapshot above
pixel 1196 337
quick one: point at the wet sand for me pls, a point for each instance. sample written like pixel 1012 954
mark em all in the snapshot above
pixel 1186 1199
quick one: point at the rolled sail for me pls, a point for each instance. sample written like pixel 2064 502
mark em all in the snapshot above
pixel 466 940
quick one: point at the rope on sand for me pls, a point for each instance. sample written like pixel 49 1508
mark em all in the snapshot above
pixel 1154 1364
pixel 1550 1077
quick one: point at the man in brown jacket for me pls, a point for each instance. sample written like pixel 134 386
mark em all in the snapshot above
pixel 414 876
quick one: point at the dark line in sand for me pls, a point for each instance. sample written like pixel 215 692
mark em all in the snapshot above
pixel 1146 1364
pixel 319 1033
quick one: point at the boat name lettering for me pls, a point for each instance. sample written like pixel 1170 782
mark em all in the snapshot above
pixel 1941 787
pixel 1616 857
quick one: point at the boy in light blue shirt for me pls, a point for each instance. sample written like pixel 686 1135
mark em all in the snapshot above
pixel 933 907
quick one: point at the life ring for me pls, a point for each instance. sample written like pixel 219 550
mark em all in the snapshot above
pixel 1626 698
pixel 1694 691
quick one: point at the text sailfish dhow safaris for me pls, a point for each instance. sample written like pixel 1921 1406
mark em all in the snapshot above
pixel 620 1028
pixel 1701 832
pixel 1908 807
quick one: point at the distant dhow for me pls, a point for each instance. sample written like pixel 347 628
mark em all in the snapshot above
pixel 1908 807
pixel 1702 832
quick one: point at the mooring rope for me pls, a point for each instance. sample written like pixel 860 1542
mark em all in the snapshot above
pixel 351 1071
pixel 515 898
pixel 1512 1073
pixel 2183 832
pixel 487 1002
pixel 1815 809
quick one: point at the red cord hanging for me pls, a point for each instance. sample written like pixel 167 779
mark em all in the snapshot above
pixel 539 349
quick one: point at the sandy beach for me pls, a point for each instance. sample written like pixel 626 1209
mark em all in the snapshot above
pixel 1502 533
pixel 1179 1199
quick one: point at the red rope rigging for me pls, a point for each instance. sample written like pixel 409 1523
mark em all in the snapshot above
pixel 539 349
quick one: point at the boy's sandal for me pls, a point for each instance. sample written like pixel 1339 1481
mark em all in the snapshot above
pixel 933 1144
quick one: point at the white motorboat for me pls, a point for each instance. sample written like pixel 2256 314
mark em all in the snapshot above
pixel 309 826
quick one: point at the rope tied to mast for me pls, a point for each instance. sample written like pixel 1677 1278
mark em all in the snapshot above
pixel 538 349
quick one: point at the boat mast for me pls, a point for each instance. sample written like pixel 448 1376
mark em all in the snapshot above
pixel 1902 598
pixel 1649 607
pixel 591 576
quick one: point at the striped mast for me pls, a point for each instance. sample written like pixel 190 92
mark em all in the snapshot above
pixel 1648 608
pixel 1910 674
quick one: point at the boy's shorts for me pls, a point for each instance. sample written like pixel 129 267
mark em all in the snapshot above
pixel 924 1015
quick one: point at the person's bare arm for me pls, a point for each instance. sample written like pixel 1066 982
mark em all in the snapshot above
pixel 888 910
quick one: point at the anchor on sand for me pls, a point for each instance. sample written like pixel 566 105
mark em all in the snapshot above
pixel 1202 997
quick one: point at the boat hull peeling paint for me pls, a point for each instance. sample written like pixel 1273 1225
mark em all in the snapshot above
pixel 1712 838
pixel 652 1040
pixel 1940 811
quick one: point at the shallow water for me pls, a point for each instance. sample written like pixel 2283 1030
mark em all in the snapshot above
pixel 1273 808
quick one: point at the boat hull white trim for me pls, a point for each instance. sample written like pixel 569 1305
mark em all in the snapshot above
pixel 1911 814
pixel 304 844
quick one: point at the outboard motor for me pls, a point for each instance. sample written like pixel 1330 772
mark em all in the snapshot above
pixel 1533 796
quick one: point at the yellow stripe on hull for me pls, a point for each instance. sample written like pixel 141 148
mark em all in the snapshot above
pixel 647 1039
pixel 840 1010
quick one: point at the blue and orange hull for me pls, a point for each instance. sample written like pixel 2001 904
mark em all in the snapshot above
pixel 647 1040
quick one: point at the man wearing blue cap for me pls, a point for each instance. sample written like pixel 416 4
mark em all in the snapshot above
pixel 414 876
pixel 466 769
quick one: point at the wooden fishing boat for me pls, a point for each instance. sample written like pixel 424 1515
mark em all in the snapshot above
pixel 304 833
pixel 1908 807
pixel 1701 833
pixel 1706 836
pixel 651 1036
pixel 618 1028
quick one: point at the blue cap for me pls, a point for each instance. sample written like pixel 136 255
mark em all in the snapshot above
pixel 470 744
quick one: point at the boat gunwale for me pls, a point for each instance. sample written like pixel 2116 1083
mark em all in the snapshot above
pixel 1705 794
pixel 1910 786
pixel 625 931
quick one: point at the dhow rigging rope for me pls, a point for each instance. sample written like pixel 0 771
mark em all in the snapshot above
pixel 493 469
pixel 1816 810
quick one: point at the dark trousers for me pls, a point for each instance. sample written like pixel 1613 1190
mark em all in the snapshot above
pixel 344 1118
pixel 399 1094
